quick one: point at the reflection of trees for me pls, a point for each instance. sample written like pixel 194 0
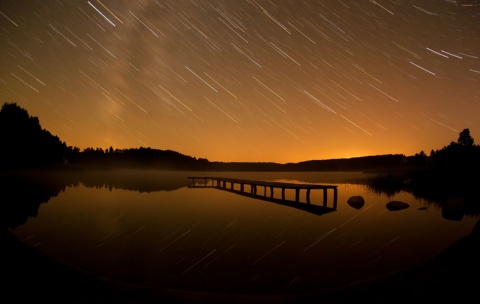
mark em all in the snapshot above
pixel 23 193
pixel 448 173
pixel 135 180
pixel 384 184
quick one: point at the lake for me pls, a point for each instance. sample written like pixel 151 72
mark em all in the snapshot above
pixel 149 228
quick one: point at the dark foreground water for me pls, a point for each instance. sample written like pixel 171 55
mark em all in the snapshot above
pixel 148 228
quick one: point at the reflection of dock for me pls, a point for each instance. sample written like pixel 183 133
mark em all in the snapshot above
pixel 250 188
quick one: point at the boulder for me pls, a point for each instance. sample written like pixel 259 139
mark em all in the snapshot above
pixel 356 202
pixel 397 205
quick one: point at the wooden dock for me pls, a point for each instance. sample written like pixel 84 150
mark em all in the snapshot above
pixel 238 185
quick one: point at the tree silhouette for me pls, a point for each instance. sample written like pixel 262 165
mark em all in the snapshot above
pixel 465 139
pixel 24 142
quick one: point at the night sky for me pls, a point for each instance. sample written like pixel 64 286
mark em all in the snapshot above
pixel 246 80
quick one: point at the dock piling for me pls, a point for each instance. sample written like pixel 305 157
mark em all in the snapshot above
pixel 221 183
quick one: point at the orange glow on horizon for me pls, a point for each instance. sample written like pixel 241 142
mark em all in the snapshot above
pixel 228 83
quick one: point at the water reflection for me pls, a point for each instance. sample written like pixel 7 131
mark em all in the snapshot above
pixel 166 235
pixel 273 196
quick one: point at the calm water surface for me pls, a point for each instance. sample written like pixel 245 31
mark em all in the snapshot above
pixel 213 240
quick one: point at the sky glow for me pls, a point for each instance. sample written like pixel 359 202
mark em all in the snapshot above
pixel 247 80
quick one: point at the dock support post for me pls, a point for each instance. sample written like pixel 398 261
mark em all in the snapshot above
pixel 335 195
pixel 221 183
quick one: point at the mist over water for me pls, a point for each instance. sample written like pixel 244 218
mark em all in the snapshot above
pixel 162 234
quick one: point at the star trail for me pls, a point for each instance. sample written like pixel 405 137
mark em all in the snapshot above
pixel 247 80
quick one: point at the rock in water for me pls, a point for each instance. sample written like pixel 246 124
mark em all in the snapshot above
pixel 356 202
pixel 397 205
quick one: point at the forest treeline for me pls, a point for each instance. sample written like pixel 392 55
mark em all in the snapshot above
pixel 27 145
pixel 449 172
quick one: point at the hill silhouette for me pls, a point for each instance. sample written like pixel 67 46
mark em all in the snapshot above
pixel 27 145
